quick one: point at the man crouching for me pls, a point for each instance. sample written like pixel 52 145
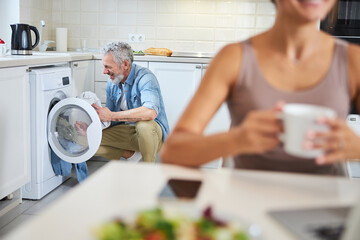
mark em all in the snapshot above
pixel 134 105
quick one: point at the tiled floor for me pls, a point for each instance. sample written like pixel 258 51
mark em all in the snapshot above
pixel 30 209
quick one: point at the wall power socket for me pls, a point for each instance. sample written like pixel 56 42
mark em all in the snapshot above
pixel 136 38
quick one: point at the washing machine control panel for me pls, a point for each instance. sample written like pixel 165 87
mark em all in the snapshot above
pixel 55 78
pixel 65 81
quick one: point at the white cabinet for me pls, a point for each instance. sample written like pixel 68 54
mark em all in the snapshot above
pixel 101 79
pixel 82 77
pixel 14 129
pixel 178 83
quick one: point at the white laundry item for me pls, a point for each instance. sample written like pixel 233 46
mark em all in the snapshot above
pixel 91 98
pixel 136 157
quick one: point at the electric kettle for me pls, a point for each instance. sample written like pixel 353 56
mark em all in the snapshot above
pixel 21 43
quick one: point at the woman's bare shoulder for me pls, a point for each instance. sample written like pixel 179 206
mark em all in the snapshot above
pixel 230 51
pixel 227 61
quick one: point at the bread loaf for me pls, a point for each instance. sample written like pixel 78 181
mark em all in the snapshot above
pixel 158 51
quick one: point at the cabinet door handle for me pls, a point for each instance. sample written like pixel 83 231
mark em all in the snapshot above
pixel 76 64
pixel 198 67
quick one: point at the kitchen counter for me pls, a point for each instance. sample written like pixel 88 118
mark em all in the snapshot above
pixel 179 57
pixel 41 58
pixel 125 188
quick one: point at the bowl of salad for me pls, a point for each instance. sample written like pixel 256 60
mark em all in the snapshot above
pixel 161 223
pixel 138 53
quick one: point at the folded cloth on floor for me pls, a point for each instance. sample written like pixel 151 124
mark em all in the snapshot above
pixel 63 168
pixel 91 98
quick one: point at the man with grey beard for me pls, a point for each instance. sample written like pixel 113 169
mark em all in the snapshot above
pixel 134 105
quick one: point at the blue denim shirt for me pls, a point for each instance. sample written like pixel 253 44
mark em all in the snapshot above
pixel 142 90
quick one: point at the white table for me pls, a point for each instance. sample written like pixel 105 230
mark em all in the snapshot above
pixel 124 187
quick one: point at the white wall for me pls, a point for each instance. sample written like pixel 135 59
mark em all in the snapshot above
pixel 9 14
pixel 33 11
pixel 181 25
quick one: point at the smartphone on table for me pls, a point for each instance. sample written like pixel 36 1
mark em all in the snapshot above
pixel 180 189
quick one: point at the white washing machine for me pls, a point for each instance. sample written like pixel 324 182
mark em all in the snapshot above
pixel 53 116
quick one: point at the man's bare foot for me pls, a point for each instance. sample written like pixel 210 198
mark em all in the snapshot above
pixel 127 154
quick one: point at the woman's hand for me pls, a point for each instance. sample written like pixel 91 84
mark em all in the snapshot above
pixel 339 144
pixel 259 131
pixel 104 113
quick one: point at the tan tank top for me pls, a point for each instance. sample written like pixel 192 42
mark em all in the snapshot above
pixel 253 92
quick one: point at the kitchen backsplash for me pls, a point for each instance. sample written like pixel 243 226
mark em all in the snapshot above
pixel 181 25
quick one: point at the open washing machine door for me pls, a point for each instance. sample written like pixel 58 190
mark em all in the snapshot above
pixel 74 130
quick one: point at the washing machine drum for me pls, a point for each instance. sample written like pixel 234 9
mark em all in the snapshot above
pixel 74 130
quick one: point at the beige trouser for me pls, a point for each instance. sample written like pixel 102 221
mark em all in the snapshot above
pixel 145 137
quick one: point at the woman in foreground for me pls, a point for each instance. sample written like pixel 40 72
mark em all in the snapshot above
pixel 293 62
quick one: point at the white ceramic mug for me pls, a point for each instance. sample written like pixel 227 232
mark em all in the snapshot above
pixel 3 50
pixel 298 119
